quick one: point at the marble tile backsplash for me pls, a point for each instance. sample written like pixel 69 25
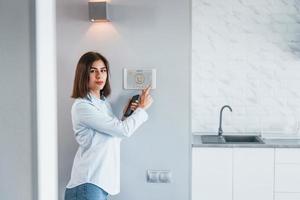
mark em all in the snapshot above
pixel 246 53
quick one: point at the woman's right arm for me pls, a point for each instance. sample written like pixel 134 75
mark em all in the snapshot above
pixel 87 115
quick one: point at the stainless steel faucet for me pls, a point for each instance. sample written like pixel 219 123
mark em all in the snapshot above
pixel 220 123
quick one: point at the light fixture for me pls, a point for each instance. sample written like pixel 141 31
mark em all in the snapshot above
pixel 98 11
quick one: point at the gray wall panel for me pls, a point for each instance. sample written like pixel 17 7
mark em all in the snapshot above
pixel 16 88
pixel 142 33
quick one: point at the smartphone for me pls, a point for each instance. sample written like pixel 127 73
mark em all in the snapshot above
pixel 128 111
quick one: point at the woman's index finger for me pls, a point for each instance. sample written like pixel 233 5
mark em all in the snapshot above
pixel 148 88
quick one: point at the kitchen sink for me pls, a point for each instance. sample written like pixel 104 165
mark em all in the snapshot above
pixel 231 139
pixel 212 139
pixel 242 139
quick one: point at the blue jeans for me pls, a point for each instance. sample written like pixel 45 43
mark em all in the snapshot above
pixel 86 191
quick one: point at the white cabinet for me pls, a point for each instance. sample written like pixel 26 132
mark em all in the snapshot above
pixel 287 174
pixel 212 174
pixel 287 196
pixel 287 178
pixel 232 173
pixel 287 156
pixel 253 173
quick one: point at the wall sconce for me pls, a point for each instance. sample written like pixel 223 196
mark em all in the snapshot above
pixel 98 11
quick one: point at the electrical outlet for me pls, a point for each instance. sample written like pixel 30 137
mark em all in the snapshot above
pixel 158 176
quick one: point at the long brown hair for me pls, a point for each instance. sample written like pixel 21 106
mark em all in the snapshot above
pixel 82 75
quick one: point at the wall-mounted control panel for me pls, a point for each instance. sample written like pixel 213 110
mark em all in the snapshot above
pixel 158 176
pixel 139 78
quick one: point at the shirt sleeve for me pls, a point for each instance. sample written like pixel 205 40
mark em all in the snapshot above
pixel 87 115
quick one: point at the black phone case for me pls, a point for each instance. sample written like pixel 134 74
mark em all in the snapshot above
pixel 128 110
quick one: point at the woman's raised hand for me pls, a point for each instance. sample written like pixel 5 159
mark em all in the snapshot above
pixel 145 99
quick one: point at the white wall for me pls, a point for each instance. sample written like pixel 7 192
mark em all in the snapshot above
pixel 154 34
pixel 246 54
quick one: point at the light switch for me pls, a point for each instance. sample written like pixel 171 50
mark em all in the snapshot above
pixel 139 78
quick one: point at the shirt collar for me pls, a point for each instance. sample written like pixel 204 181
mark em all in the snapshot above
pixel 94 99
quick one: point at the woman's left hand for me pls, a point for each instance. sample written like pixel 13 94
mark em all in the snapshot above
pixel 133 106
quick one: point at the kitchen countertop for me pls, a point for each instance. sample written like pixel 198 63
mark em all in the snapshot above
pixel 268 143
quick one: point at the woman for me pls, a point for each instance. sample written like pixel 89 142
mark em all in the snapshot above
pixel 96 167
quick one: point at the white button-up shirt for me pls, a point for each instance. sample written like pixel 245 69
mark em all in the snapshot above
pixel 99 133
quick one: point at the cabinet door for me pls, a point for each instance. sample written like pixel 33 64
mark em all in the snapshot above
pixel 253 173
pixel 287 178
pixel 287 170
pixel 287 196
pixel 212 174
pixel 287 156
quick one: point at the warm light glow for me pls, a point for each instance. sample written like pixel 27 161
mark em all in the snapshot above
pixel 97 1
pixel 100 20
pixel 108 1
pixel 101 32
